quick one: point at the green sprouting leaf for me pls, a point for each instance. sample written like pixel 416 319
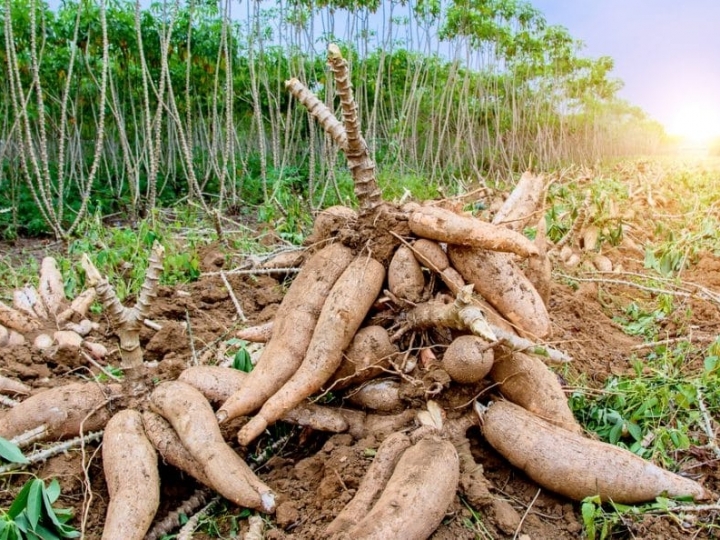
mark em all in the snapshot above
pixel 588 516
pixel 242 360
pixel 10 452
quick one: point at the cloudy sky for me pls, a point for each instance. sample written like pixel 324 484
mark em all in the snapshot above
pixel 666 51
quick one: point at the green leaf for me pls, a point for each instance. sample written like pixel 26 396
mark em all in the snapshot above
pixel 52 492
pixel 615 432
pixel 45 534
pixel 10 452
pixel 242 360
pixel 20 501
pixel 710 364
pixel 634 430
pixel 588 515
pixel 35 503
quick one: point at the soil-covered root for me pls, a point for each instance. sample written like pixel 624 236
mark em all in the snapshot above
pixel 367 356
pixel 377 395
pixel 12 386
pixel 193 419
pixel 525 380
pixel 405 276
pixel 13 319
pixel 416 497
pixel 574 466
pixel 372 484
pixel 468 359
pixel 64 411
pixel 292 331
pixel 329 221
pixel 131 474
pixel 342 314
pixel 500 281
pixel 521 206
pixel 168 444
pixel 447 226
pixel 217 384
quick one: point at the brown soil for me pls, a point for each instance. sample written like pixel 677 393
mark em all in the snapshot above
pixel 316 474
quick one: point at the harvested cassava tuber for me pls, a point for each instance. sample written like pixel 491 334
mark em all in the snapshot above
pixel 372 484
pixel 166 441
pixel 192 417
pixel 342 314
pixel 12 319
pixel 501 282
pixel 217 384
pixel 329 221
pixel 257 334
pixel 378 395
pixel 574 466
pixel 131 473
pixel 367 356
pixel 293 328
pixel 11 386
pixel 446 226
pixel 520 207
pixel 527 381
pixel 28 301
pixel 539 268
pixel 51 287
pixel 468 359
pixel 64 411
pixel 416 496
pixel 430 255
pixel 405 277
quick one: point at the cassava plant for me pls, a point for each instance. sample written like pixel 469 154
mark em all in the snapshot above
pixel 338 327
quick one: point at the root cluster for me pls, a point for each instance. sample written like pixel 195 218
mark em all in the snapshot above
pixel 392 306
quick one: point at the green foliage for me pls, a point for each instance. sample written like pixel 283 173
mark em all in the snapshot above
pixel 395 185
pixel 656 413
pixel 11 452
pixel 427 117
pixel 33 516
pixel 241 360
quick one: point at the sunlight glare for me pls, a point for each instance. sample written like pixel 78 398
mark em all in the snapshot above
pixel 696 122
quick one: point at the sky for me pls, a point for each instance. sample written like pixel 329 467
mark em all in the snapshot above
pixel 667 52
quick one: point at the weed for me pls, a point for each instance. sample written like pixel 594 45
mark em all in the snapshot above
pixel 32 514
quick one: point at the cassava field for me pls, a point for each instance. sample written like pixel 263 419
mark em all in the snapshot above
pixel 300 273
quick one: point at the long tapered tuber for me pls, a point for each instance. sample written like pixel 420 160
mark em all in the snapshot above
pixel 192 418
pixel 133 480
pixel 292 331
pixel 342 314
pixel 447 226
pixel 577 467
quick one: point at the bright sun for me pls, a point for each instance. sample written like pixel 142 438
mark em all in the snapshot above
pixel 697 122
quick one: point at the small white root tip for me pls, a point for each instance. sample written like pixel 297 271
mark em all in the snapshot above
pixel 268 501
